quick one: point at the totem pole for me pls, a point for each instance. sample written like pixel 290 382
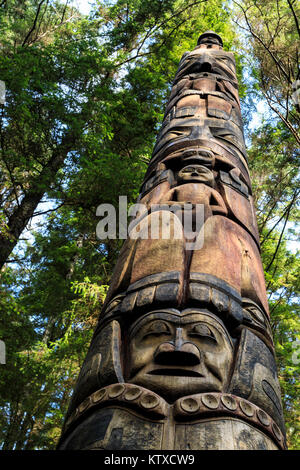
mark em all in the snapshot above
pixel 182 357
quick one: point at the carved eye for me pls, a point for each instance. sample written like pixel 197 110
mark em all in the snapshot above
pixel 227 62
pixel 188 169
pixel 177 133
pixel 256 314
pixel 157 328
pixel 225 135
pixel 202 331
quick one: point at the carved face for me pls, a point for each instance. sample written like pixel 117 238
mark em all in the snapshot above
pixel 207 61
pixel 184 134
pixel 197 173
pixel 177 354
pixel 203 110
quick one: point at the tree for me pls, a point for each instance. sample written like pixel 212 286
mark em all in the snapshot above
pixel 275 181
pixel 273 30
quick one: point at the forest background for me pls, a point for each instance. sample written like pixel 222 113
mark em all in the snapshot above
pixel 85 96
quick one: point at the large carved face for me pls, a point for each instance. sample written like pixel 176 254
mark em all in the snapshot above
pixel 178 354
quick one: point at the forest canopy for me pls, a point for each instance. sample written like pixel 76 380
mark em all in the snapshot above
pixel 84 98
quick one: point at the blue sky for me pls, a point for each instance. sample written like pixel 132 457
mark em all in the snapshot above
pixel 83 6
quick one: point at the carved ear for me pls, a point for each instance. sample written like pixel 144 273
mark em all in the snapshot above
pixel 102 365
pixel 254 377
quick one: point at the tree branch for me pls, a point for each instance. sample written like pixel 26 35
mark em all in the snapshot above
pixel 34 23
pixel 295 16
pixel 260 40
pixel 284 120
pixel 281 235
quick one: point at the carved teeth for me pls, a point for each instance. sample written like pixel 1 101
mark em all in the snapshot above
pixel 99 395
pixel 190 405
pixel 149 401
pixel 84 405
pixel 263 417
pixel 247 409
pixel 229 402
pixel 132 393
pixel 210 401
pixel 116 391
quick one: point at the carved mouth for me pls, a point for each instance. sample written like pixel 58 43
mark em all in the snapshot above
pixel 175 372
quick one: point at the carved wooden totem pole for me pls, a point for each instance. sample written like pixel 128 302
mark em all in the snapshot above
pixel 182 357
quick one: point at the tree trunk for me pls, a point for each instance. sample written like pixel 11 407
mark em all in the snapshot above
pixel 23 213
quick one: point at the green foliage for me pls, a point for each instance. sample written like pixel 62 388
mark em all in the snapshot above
pixel 275 181
pixel 272 34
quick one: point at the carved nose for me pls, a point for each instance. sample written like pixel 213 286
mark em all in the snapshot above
pixel 205 64
pixel 177 352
